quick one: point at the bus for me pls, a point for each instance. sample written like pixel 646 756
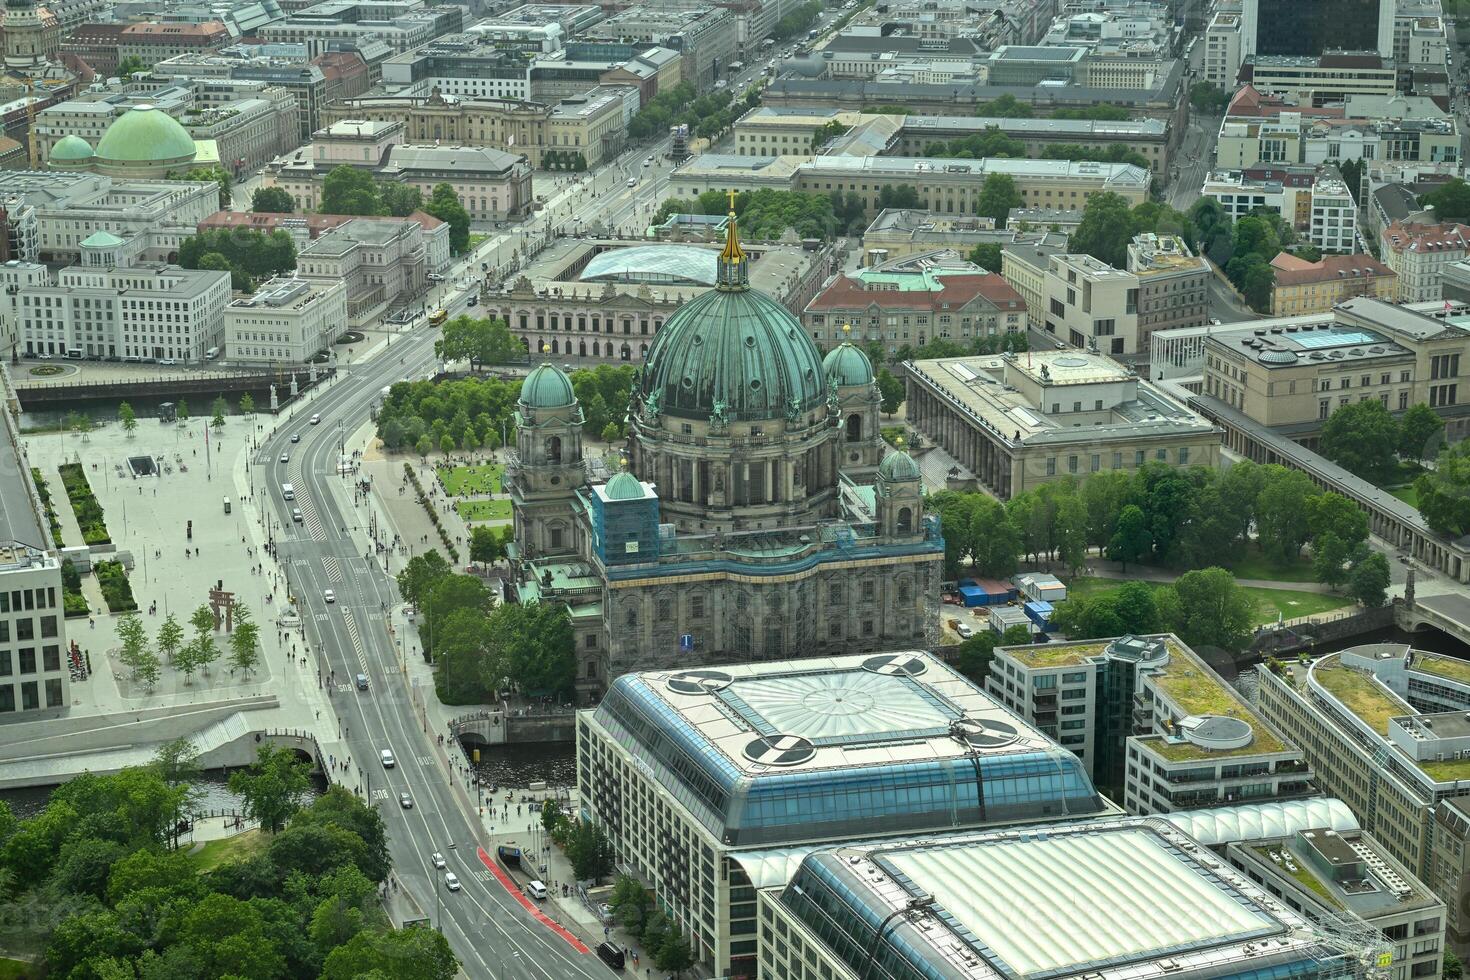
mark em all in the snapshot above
pixel 437 317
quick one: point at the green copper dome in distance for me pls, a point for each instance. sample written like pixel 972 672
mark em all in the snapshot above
pixel 547 387
pixel 898 466
pixel 848 365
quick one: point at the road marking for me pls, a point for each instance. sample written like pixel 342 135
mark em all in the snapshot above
pixel 352 634
pixel 530 906
pixel 333 566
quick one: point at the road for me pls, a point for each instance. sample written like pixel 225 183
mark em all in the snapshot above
pixel 1193 161
pixel 491 933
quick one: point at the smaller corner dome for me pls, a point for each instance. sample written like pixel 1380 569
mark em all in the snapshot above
pixel 624 486
pixel 547 387
pixel 70 147
pixel 847 365
pixel 898 466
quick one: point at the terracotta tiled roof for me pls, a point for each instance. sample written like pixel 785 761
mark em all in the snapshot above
pixel 1292 271
pixel 847 293
pixel 1416 236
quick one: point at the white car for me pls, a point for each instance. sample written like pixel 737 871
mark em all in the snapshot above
pixel 964 631
pixel 329 596
pixel 451 881
pixel 632 181
pixel 167 360
pixel 436 859
pixel 285 457
pixel 316 419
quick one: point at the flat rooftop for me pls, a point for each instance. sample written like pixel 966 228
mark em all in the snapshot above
pixel 781 752
pixel 1023 905
pixel 978 385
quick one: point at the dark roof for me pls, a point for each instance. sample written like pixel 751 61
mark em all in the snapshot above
pixel 1395 201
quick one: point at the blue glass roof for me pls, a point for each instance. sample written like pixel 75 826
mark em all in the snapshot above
pixel 1334 338
pixel 654 264
pixel 806 750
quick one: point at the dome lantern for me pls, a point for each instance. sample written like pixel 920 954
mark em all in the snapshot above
pixel 733 272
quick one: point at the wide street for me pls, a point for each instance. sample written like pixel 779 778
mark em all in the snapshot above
pixel 487 927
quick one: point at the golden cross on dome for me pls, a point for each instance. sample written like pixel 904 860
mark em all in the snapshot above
pixel 847 328
pixel 732 201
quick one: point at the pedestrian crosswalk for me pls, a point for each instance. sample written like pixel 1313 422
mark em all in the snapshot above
pixel 350 621
pixel 332 565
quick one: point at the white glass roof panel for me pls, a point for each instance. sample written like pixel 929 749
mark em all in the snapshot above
pixel 1057 903
pixel 840 704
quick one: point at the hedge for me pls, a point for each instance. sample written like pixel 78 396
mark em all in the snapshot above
pixel 116 591
pixel 73 602
pixel 433 514
pixel 84 504
pixel 45 494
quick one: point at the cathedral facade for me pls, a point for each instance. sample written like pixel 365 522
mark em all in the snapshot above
pixel 758 516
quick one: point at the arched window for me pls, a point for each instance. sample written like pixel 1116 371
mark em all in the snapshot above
pixel 627 353
pixel 553 449
pixel 596 349
pixel 905 520
pixel 555 348
pixel 583 348
pixel 854 428
pixel 643 350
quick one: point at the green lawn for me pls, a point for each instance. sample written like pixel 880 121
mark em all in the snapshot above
pixel 1258 566
pixel 228 850
pixel 19 970
pixel 483 510
pixel 1269 602
pixel 480 478
pixel 1407 494
pixel 476 239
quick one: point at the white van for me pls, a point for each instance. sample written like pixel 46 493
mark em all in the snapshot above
pixel 211 354
pixel 388 761
pixel 536 890
pixel 288 492
pixel 73 354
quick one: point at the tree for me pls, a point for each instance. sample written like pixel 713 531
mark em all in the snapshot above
pixel 421 574
pixel 1362 438
pixel 1368 580
pixel 136 654
pixel 1452 969
pixel 218 175
pixel 249 255
pixel 220 408
pixel 1105 230
pixel 487 544
pixel 181 410
pixel 244 641
pixel 993 540
pixel 170 636
pixel 130 65
pixel 424 446
pixel 1421 432
pixel 272 786
pixel 1444 492
pixel 674 953
pixel 1282 515
pixel 128 418
pixel 247 404
pixel 1335 514
pixel 1209 610
pixel 401 200
pixel 445 205
pixel 973 656
pixel 1450 200
pixel 415 953
pixel 202 649
pixel 590 851
pixel 1131 608
pixel 987 255
pixel 1208 99
pixel 892 389
pixel 1132 540
pixel 480 342
pixel 1329 559
pixel 272 200
pixel 348 190
pixel 998 196
pixel 630 903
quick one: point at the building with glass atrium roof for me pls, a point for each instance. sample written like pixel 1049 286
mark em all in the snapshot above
pixel 1105 900
pixel 694 772
pixel 663 264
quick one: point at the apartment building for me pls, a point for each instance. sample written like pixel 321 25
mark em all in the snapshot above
pixel 674 826
pixel 1091 305
pixel 492 185
pixel 1015 422
pixel 1313 200
pixel 1324 873
pixel 1222 50
pixel 707 37
pixel 1316 287
pixel 899 305
pixel 590 124
pixel 379 261
pixel 1173 285
pixel 1319 81
pixel 114 305
pixel 1292 137
pixel 1151 720
pixel 151 43
pixel 34 673
pixel 285 321
pixel 1293 376
pixel 1419 252
pixel 945 186
pixel 898 233
pixel 1380 742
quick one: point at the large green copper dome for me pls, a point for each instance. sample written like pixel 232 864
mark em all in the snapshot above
pixel 734 349
pixel 145 136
